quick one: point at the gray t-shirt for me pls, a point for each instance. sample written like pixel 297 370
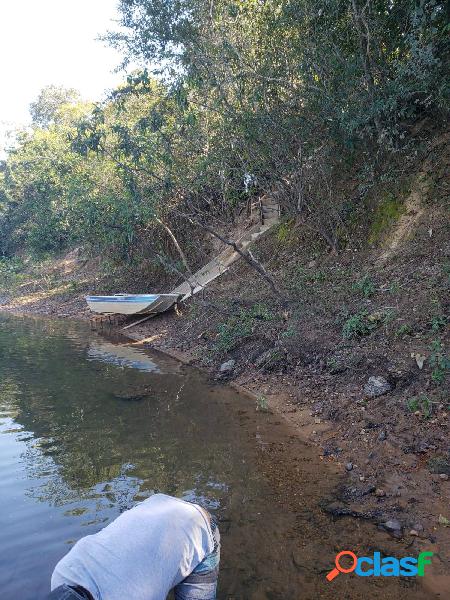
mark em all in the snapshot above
pixel 141 555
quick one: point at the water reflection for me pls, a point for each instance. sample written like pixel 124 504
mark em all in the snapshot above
pixel 87 429
pixel 128 356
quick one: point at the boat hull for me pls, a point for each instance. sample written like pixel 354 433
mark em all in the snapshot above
pixel 131 304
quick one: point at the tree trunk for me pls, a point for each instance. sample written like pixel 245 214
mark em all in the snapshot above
pixel 364 49
pixel 176 244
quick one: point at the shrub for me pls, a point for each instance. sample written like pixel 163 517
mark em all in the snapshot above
pixel 439 362
pixel 404 330
pixel 420 403
pixel 365 286
pixel 240 325
pixel 358 325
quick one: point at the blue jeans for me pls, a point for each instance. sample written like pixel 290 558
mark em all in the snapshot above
pixel 201 584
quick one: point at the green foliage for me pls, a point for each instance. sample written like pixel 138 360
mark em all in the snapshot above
pixel 438 322
pixel 439 362
pixel 387 213
pixel 10 271
pixel 240 325
pixel 284 231
pixel 359 325
pixel 302 278
pixel 289 332
pixel 262 404
pixel 394 287
pixel 48 107
pixel 365 286
pixel 404 330
pixel 420 403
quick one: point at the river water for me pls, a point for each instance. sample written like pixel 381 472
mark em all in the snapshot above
pixel 91 425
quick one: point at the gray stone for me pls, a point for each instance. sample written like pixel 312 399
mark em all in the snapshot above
pixel 382 436
pixel 228 366
pixel 376 386
pixel 393 526
pixel 349 466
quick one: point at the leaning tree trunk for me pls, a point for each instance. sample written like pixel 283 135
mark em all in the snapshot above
pixel 176 244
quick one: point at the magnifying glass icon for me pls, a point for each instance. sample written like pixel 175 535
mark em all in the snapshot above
pixel 339 569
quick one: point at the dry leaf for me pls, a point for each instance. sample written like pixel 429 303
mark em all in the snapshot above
pixel 420 359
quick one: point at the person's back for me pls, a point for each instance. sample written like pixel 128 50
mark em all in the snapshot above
pixel 160 544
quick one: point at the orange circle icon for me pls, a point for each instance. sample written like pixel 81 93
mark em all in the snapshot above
pixel 339 569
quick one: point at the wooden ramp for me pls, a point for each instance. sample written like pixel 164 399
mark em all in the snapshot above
pixel 268 213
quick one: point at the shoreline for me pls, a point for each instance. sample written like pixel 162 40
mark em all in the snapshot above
pixel 357 496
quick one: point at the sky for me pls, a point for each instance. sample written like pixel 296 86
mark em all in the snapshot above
pixel 44 42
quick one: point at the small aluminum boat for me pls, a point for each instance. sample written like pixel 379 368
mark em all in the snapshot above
pixel 132 304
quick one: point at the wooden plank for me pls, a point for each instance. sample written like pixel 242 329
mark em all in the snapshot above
pixel 140 321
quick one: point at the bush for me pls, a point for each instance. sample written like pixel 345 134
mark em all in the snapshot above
pixel 439 362
pixel 10 271
pixel 359 325
pixel 240 326
pixel 420 403
pixel 365 286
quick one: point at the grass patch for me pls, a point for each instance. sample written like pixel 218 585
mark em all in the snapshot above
pixel 240 325
pixel 302 278
pixel 439 362
pixel 284 231
pixel 388 211
pixel 262 404
pixel 359 325
pixel 404 330
pixel 364 286
pixel 420 403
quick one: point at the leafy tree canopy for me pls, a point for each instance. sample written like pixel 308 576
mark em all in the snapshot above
pixel 46 109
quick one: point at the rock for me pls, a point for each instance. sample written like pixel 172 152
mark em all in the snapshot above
pixel 382 436
pixel 392 526
pixel 414 532
pixel 349 466
pixel 444 476
pixel 227 366
pixel 376 386
pixel 379 493
pixel 130 397
pixel 439 465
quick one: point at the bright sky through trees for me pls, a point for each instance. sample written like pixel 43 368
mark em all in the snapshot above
pixel 53 42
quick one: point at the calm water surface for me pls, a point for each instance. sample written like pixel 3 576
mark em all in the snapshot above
pixel 89 426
